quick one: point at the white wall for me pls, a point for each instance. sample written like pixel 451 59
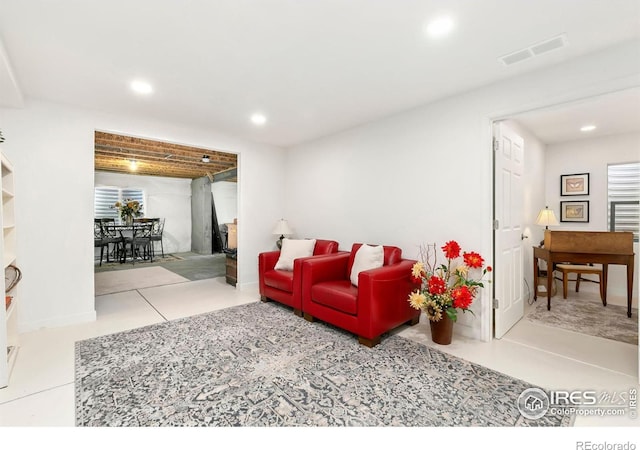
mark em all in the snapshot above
pixel 425 176
pixel 168 198
pixel 225 197
pixel 592 156
pixel 51 147
pixel 421 176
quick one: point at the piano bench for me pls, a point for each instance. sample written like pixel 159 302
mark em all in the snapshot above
pixel 566 269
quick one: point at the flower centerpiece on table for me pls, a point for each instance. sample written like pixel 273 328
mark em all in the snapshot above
pixel 445 288
pixel 128 209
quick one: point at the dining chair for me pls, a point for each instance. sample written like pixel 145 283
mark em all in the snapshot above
pixel 111 237
pixel 139 242
pixel 105 234
pixel 98 238
pixel 156 233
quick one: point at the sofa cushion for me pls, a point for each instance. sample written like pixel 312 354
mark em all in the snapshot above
pixel 367 257
pixel 392 255
pixel 279 279
pixel 292 249
pixel 340 295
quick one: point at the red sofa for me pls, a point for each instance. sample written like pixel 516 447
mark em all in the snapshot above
pixel 286 286
pixel 377 305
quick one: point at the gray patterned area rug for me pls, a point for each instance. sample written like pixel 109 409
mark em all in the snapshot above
pixel 587 316
pixel 260 365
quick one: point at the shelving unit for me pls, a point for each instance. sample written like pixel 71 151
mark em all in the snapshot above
pixel 8 314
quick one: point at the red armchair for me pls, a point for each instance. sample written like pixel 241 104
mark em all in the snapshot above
pixel 286 286
pixel 377 305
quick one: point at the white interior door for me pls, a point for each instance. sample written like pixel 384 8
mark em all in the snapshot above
pixel 508 229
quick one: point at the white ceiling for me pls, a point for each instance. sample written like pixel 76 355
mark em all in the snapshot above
pixel 614 113
pixel 312 67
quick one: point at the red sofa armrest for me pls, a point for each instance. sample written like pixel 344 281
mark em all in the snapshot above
pixel 401 269
pixel 383 296
pixel 266 262
pixel 325 268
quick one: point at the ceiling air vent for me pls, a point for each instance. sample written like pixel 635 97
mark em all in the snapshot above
pixel 534 50
pixel 547 46
pixel 516 57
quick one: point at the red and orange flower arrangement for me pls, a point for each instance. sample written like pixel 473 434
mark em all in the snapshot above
pixel 445 288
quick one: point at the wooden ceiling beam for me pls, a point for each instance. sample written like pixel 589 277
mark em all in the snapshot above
pixel 179 161
pixel 114 152
pixel 226 175
pixel 164 155
pixel 153 171
pixel 142 144
pixel 147 167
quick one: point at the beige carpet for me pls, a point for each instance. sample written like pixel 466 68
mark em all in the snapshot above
pixel 128 280
pixel 588 316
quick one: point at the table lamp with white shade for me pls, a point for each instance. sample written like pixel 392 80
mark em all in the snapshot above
pixel 282 228
pixel 545 218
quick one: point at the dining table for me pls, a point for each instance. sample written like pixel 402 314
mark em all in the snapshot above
pixel 127 234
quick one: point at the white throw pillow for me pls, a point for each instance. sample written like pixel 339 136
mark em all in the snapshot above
pixel 367 257
pixel 292 249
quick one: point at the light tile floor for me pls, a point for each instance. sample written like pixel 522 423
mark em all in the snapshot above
pixel 41 390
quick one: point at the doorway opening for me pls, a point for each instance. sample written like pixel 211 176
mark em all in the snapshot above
pixel 191 190
pixel 554 147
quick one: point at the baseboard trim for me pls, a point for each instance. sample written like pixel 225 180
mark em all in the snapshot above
pixel 54 322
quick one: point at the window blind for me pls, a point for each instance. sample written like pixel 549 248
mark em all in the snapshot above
pixel 105 197
pixel 624 197
pixel 134 194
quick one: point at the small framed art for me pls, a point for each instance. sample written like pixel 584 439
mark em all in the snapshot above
pixel 574 211
pixel 574 184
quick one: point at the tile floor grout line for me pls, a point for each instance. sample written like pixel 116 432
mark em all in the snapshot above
pixel 570 358
pixel 146 287
pixel 150 304
pixel 36 393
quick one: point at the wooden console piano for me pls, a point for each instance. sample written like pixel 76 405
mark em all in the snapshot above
pixel 581 247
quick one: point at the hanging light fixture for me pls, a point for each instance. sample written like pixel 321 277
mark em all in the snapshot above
pixel 133 165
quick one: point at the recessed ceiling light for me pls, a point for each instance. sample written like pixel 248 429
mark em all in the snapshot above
pixel 133 165
pixel 258 119
pixel 141 87
pixel 439 27
pixel 587 128
pixel 205 159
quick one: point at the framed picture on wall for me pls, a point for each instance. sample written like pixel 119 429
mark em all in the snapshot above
pixel 574 211
pixel 574 184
